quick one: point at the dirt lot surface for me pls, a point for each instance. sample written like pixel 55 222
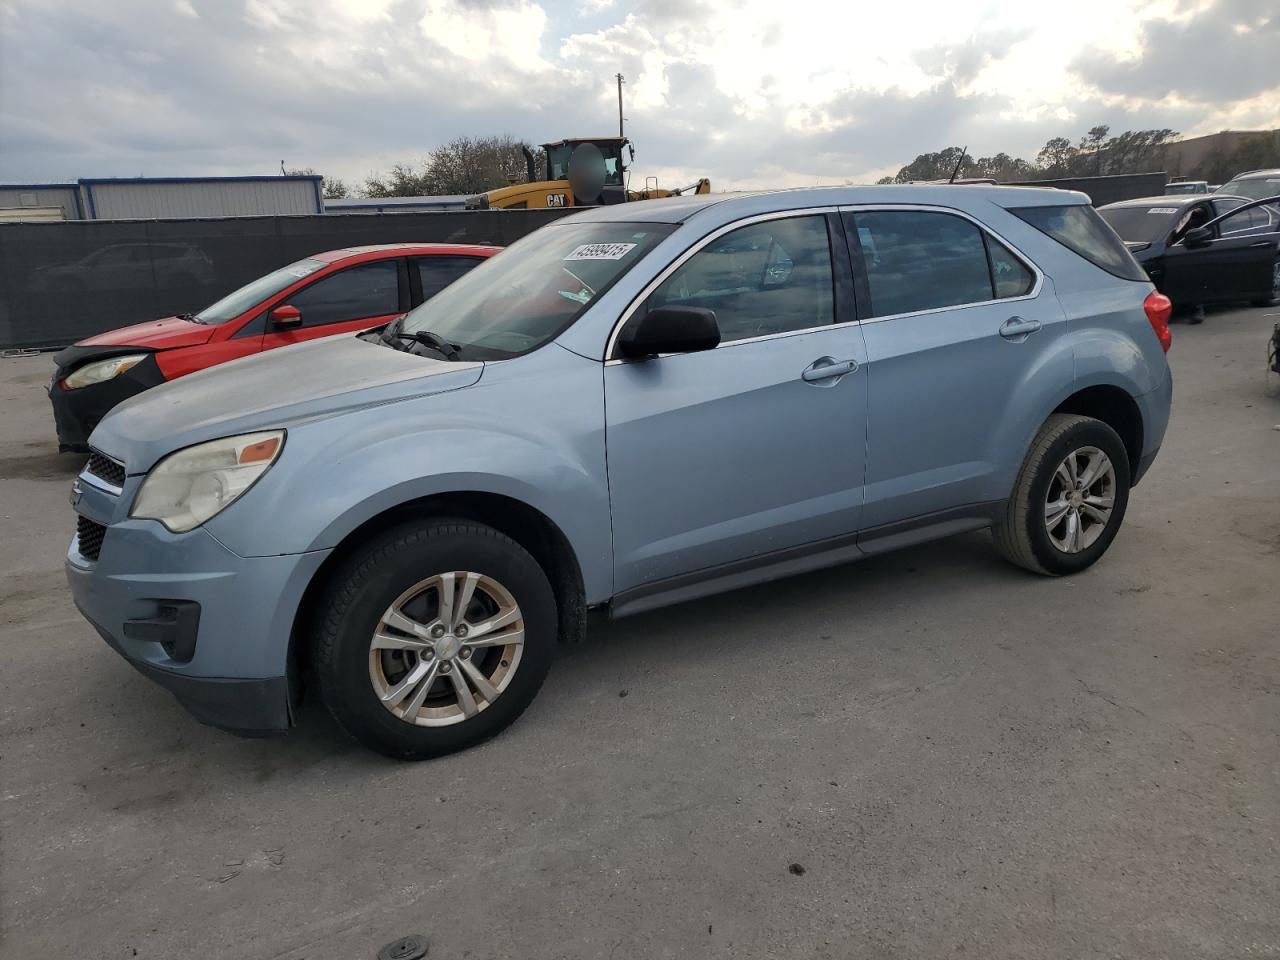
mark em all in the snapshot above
pixel 927 754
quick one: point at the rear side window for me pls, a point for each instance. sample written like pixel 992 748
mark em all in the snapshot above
pixel 1079 228
pixel 436 273
pixel 1010 276
pixel 367 290
pixel 916 260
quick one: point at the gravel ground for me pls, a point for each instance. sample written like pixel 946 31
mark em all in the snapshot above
pixel 925 754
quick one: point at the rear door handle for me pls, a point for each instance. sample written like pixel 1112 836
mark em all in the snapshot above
pixel 827 368
pixel 1261 243
pixel 1018 329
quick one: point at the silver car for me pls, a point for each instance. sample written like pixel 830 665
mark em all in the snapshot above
pixel 638 405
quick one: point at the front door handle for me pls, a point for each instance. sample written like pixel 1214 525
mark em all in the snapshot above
pixel 827 368
pixel 1018 329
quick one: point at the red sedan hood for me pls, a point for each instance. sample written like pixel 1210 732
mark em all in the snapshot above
pixel 162 334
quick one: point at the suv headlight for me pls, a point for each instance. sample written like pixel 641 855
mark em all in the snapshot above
pixel 101 370
pixel 186 488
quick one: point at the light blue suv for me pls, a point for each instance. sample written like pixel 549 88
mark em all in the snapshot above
pixel 637 405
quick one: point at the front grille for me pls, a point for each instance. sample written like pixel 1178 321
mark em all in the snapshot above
pixel 89 537
pixel 104 468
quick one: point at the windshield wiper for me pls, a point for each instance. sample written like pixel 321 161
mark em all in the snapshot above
pixel 394 335
pixel 450 351
pixel 190 318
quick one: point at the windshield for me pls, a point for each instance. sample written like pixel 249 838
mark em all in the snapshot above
pixel 1140 224
pixel 251 294
pixel 526 295
pixel 1258 188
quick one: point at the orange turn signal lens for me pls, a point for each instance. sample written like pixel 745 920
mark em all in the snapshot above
pixel 260 451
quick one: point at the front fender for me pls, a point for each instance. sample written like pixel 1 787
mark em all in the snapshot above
pixel 531 430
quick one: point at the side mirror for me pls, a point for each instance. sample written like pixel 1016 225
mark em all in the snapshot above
pixel 670 330
pixel 286 317
pixel 1197 236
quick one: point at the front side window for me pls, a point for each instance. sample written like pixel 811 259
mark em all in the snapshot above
pixel 521 299
pixel 919 260
pixel 767 278
pixel 366 290
pixel 1081 230
pixel 1247 222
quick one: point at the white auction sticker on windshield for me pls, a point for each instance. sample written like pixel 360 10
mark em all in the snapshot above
pixel 1163 210
pixel 600 251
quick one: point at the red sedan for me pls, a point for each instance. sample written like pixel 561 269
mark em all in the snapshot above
pixel 336 292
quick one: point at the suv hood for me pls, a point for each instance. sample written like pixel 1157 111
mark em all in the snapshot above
pixel 270 390
pixel 164 334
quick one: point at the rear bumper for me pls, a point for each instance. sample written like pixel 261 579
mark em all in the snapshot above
pixel 209 626
pixel 1155 420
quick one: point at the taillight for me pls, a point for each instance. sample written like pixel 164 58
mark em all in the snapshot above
pixel 1159 308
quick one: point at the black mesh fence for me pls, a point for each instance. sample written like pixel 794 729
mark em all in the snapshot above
pixel 61 282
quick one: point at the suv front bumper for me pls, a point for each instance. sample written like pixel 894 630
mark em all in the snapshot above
pixel 211 627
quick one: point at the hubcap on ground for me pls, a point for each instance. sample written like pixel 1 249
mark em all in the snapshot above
pixel 446 648
pixel 1080 499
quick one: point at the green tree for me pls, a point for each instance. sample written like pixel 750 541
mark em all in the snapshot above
pixel 934 166
pixel 1055 157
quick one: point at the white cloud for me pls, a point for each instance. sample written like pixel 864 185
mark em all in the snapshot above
pixel 747 92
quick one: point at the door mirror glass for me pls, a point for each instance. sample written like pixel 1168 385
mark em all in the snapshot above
pixel 286 317
pixel 1198 236
pixel 670 330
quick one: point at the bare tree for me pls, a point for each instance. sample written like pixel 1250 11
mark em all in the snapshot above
pixel 332 187
pixel 464 165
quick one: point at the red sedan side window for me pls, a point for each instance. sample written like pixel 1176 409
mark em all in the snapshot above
pixel 366 290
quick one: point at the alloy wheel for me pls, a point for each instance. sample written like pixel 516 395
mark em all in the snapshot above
pixel 446 648
pixel 1080 499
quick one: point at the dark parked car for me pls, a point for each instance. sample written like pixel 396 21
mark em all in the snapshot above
pixel 1254 184
pixel 1204 249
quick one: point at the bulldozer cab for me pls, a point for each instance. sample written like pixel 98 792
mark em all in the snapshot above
pixel 559 152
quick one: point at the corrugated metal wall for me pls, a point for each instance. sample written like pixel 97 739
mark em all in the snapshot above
pixel 63 195
pixel 154 199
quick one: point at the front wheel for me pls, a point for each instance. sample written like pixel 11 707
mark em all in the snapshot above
pixel 1069 499
pixel 434 637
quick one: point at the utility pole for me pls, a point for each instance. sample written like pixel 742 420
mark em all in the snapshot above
pixel 620 82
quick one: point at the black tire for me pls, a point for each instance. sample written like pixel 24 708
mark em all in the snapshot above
pixel 1274 299
pixel 379 573
pixel 1021 534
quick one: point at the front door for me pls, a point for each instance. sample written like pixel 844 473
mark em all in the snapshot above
pixel 956 325
pixel 754 448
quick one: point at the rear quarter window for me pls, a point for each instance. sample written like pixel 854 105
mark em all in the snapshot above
pixel 1081 230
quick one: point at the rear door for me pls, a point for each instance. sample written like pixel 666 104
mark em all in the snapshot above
pixel 956 323
pixel 352 299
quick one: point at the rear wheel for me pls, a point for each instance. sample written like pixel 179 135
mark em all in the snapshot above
pixel 434 637
pixel 1069 499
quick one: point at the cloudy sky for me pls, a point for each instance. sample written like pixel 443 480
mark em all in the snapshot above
pixel 749 92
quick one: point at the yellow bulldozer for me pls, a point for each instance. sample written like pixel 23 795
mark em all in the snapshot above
pixel 579 172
